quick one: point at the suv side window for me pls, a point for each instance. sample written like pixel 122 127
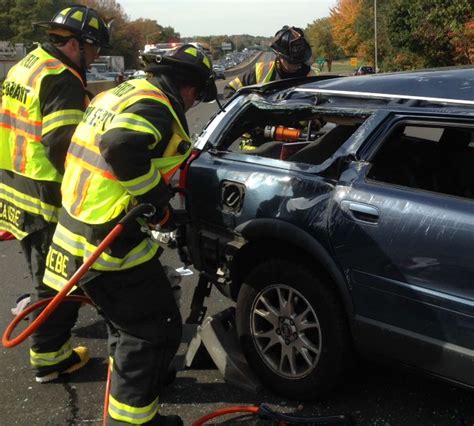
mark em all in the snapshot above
pixel 438 158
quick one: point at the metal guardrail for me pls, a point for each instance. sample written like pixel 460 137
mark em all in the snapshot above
pixel 241 68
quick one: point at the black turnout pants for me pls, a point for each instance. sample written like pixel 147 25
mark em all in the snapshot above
pixel 144 332
pixel 56 331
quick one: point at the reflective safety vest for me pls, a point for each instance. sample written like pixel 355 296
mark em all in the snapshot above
pixel 91 193
pixel 264 72
pixel 22 128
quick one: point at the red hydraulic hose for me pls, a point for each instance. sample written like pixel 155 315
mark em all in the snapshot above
pixel 223 411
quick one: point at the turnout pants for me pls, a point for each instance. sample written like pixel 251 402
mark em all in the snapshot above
pixel 144 326
pixel 51 348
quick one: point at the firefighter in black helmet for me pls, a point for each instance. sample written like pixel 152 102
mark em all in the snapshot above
pixel 44 98
pixel 186 65
pixel 128 155
pixel 293 59
pixel 83 24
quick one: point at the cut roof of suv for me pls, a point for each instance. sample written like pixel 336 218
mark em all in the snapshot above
pixel 449 85
pixel 445 85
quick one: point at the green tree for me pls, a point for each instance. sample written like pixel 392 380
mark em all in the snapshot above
pixel 18 16
pixel 430 29
pixel 365 27
pixel 6 18
pixel 319 36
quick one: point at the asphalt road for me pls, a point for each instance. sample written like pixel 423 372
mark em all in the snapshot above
pixel 371 394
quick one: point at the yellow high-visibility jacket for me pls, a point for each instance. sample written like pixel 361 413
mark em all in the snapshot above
pixel 43 100
pixel 263 72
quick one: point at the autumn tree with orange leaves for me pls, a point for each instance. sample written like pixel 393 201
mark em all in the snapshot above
pixel 343 19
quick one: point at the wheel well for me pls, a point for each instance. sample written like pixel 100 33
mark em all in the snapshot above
pixel 255 252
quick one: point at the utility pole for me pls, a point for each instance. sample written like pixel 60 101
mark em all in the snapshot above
pixel 375 36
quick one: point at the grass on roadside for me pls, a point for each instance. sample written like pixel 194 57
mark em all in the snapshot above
pixel 339 67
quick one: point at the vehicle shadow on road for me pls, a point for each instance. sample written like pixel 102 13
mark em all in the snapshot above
pixel 371 394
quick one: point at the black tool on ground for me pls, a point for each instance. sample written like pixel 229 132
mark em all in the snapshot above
pixel 198 310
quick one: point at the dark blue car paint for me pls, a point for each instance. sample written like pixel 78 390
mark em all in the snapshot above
pixel 400 258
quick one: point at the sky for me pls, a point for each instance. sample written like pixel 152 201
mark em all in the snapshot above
pixel 228 17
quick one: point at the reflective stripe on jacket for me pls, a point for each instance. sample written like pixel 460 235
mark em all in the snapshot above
pixel 264 72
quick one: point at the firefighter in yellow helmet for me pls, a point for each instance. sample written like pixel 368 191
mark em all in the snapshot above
pixel 124 152
pixel 293 59
pixel 44 98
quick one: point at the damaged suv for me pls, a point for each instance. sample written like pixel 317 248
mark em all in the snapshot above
pixel 339 214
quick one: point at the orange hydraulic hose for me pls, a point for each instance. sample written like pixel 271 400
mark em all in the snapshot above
pixel 107 393
pixel 23 314
pixel 223 411
pixel 53 302
pixel 52 305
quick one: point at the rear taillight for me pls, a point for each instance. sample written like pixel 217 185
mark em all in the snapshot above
pixel 183 173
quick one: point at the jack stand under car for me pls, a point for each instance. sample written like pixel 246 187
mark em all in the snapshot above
pixel 218 336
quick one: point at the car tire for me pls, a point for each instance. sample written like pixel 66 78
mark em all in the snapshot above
pixel 292 329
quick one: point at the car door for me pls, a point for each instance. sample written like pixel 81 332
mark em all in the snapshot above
pixel 407 250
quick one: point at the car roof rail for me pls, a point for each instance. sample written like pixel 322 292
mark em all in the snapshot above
pixel 387 96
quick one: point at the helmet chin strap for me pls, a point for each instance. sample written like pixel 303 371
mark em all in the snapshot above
pixel 82 56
